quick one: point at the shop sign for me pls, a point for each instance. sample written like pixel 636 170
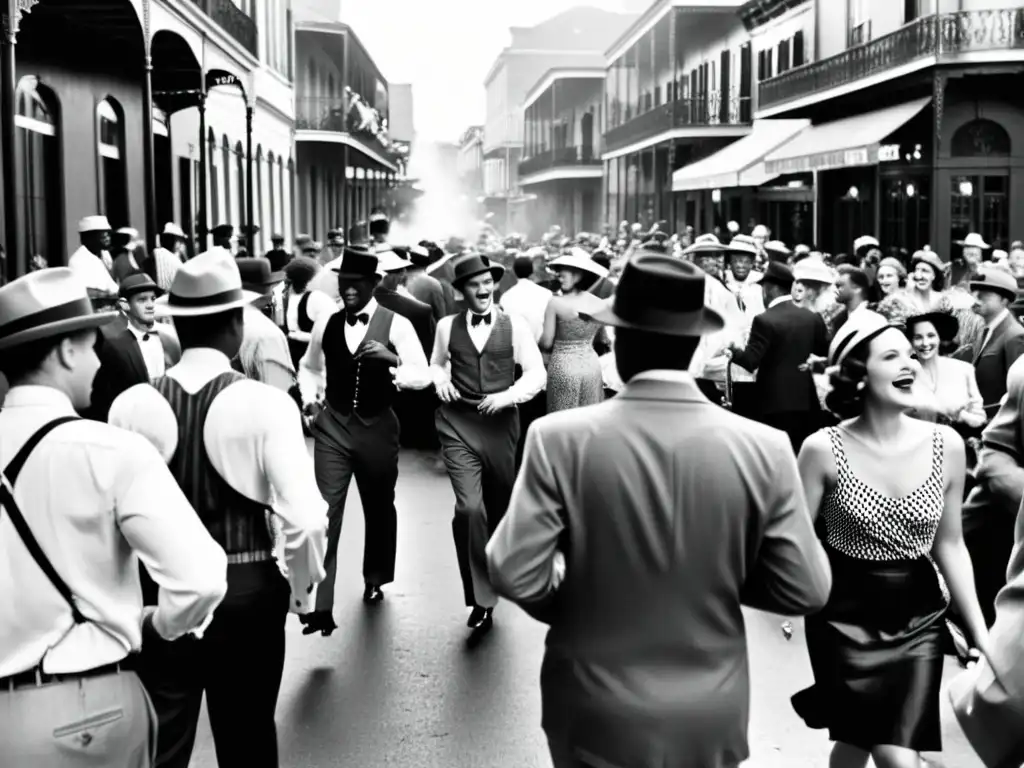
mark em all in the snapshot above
pixel 823 161
pixel 889 153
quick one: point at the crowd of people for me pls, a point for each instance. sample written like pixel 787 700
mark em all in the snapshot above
pixel 643 432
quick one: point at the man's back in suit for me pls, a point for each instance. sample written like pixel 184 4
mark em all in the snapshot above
pixel 671 513
pixel 427 289
pixel 415 311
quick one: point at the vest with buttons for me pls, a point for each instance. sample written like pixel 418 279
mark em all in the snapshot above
pixel 364 386
pixel 477 374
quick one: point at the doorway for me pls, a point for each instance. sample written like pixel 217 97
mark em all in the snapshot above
pixel 163 180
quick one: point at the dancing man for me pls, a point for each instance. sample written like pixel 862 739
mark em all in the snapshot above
pixel 366 353
pixel 474 364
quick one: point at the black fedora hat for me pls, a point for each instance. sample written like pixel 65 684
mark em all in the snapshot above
pixel 356 264
pixel 946 324
pixel 135 283
pixel 660 294
pixel 777 273
pixel 257 275
pixel 473 264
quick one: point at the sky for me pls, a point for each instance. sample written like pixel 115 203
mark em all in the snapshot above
pixel 445 49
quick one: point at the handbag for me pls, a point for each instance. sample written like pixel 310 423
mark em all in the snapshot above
pixel 7 479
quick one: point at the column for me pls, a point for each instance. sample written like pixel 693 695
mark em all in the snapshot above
pixel 16 262
pixel 148 153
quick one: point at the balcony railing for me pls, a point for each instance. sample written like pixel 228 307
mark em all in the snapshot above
pixel 710 110
pixel 336 115
pixel 232 20
pixel 944 36
pixel 560 158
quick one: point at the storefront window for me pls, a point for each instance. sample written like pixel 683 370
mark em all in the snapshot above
pixel 39 174
pixel 981 203
pixel 113 192
pixel 906 211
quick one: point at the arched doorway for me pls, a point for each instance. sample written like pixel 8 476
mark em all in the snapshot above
pixel 980 188
pixel 38 177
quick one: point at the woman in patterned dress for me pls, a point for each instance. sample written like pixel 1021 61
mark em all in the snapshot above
pixel 876 648
pixel 574 369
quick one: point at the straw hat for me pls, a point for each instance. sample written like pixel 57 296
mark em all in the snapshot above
pixel 578 259
pixel 974 240
pixel 207 285
pixel 43 304
pixel 811 270
pixel 93 224
pixel 861 327
pixel 390 261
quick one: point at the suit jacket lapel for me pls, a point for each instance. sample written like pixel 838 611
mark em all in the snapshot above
pixel 996 334
pixel 135 358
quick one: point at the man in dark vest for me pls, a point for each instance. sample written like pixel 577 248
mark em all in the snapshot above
pixel 358 357
pixel 473 365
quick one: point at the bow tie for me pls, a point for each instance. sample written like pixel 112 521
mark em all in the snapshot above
pixel 145 337
pixel 362 317
pixel 477 319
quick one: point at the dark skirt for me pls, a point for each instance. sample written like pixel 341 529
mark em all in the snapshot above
pixel 876 653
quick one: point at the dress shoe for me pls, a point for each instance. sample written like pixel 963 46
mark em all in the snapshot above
pixel 480 619
pixel 372 594
pixel 318 621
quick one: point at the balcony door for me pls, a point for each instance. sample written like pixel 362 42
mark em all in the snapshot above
pixel 587 134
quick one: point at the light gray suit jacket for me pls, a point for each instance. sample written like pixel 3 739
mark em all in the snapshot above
pixel 989 699
pixel 671 513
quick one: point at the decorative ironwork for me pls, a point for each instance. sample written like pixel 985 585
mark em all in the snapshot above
pixel 232 20
pixel 980 138
pixel 560 158
pixel 944 36
pixel 939 104
pixel 681 113
pixel 340 115
pixel 21 7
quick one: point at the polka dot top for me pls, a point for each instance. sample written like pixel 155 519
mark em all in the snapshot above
pixel 863 523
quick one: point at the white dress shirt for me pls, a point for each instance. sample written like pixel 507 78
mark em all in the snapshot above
pixel 529 301
pixel 167 266
pixel 318 303
pixel 152 350
pixel 412 371
pixel 527 355
pixel 89 268
pixel 253 436
pixel 98 500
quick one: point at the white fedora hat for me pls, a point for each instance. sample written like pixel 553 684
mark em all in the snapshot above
pixel 93 224
pixel 973 240
pixel 811 270
pixel 389 261
pixel 579 260
pixel 208 284
pixel 43 304
pixel 170 228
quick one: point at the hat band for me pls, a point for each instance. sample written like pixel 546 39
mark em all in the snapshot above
pixel 69 311
pixel 847 345
pixel 225 297
pixel 654 317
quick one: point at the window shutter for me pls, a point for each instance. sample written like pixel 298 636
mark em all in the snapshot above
pixel 745 83
pixel 798 48
pixel 723 90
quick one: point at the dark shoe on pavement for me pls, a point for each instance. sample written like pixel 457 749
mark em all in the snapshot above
pixel 372 594
pixel 318 621
pixel 480 619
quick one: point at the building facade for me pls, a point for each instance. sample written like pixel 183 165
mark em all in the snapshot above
pixel 571 39
pixel 917 119
pixel 561 165
pixel 78 103
pixel 469 167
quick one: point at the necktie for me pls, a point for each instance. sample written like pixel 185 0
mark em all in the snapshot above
pixel 477 319
pixel 362 317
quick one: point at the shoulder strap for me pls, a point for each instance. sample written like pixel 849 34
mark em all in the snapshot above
pixel 9 476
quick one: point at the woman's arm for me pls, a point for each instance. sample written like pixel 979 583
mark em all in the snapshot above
pixel 547 338
pixel 816 464
pixel 948 548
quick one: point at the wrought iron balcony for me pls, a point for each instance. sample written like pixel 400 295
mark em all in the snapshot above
pixel 710 110
pixel 560 158
pixel 232 20
pixel 944 36
pixel 337 115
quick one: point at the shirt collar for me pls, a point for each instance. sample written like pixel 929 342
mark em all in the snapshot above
pixel 369 309
pixel 36 396
pixel 205 359
pixel 140 334
pixel 778 300
pixel 470 313
pixel 666 375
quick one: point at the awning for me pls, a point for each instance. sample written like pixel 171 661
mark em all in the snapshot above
pixel 842 143
pixel 741 163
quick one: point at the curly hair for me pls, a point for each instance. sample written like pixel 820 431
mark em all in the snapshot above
pixel 846 399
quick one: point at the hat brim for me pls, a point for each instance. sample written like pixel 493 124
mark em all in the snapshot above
pixel 165 309
pixel 697 323
pixel 127 294
pixel 59 328
pixel 978 286
pixel 274 279
pixel 945 324
pixel 497 272
pixel 354 275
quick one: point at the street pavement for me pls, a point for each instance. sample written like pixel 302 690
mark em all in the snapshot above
pixel 397 685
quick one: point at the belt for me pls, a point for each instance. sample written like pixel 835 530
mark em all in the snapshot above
pixel 243 558
pixel 34 678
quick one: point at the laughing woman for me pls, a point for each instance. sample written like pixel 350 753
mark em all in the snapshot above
pixel 876 648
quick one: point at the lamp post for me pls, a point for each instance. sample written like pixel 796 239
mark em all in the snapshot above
pixel 251 234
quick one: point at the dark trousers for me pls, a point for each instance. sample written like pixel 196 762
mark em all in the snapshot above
pixel 529 412
pixel 366 447
pixel 238 663
pixel 480 455
pixel 415 410
pixel 798 425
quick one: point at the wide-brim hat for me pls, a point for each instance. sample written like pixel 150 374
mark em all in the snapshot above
pixel 777 274
pixel 93 224
pixel 473 264
pixel 742 245
pixel 946 324
pixel 206 285
pixel 997 280
pixel 257 274
pixel 660 294
pixel 705 244
pixel 865 240
pixel 357 264
pixel 139 282
pixel 777 248
pixel 583 263
pixel 173 230
pixel 861 327
pixel 811 270
pixel 973 240
pixel 931 258
pixel 390 261
pixel 45 304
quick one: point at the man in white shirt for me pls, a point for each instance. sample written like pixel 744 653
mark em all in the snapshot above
pixel 168 258
pixel 236 448
pixel 526 298
pixel 473 365
pixel 357 359
pixel 96 500
pixel 91 263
